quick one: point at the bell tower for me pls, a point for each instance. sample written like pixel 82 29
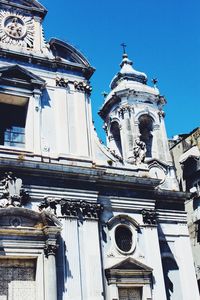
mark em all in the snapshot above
pixel 134 121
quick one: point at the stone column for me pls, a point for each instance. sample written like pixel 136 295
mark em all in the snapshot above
pixel 126 132
pixel 50 272
pixel 38 33
pixel 37 122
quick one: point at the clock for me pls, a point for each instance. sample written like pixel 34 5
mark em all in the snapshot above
pixel 158 173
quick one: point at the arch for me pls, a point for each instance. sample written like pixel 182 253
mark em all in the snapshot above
pixel 115 132
pixel 145 125
pixel 122 219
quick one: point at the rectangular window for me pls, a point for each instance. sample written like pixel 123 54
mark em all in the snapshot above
pixel 17 279
pixel 13 122
pixel 130 294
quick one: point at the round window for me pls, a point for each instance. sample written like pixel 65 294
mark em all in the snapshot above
pixel 124 238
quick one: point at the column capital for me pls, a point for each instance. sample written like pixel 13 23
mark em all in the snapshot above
pixel 50 249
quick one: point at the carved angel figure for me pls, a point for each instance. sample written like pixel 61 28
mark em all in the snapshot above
pixel 139 151
pixel 13 194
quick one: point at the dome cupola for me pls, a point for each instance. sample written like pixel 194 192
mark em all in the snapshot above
pixel 128 73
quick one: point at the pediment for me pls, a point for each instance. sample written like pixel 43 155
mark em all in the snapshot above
pixel 131 264
pixel 66 52
pixel 18 217
pixel 129 270
pixel 18 76
pixel 31 5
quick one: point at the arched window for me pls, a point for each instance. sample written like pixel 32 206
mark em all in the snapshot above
pixel 146 128
pixel 115 131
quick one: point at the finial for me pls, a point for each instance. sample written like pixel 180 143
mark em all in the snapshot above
pixel 124 47
pixel 154 81
pixel 104 94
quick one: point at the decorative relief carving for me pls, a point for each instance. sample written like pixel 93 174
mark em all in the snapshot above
pixel 149 216
pixel 16 29
pixel 15 222
pixel 126 108
pixel 161 114
pixel 13 194
pixel 50 249
pixel 62 82
pixel 139 152
pixel 49 204
pixel 82 87
pixel 105 128
pixel 119 158
pixel 79 209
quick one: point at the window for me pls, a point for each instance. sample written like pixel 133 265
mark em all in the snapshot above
pixel 146 128
pixel 115 131
pixel 13 111
pixel 123 238
pixel 130 294
pixel 17 280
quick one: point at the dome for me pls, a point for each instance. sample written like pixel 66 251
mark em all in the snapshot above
pixel 128 72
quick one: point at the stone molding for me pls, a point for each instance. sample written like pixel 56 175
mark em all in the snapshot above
pixel 149 216
pixel 69 208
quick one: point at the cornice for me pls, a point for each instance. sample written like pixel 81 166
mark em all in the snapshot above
pixel 52 64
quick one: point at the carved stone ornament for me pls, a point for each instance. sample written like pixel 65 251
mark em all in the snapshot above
pixel 139 153
pixel 161 114
pixel 16 29
pixel 82 87
pixel 62 82
pixel 149 216
pixel 13 194
pixel 118 157
pixel 50 249
pixel 79 209
pixel 126 108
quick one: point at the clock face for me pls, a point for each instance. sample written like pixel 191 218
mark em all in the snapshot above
pixel 158 173
pixel 16 29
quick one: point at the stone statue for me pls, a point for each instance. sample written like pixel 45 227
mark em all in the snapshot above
pixel 138 153
pixel 49 204
pixel 13 194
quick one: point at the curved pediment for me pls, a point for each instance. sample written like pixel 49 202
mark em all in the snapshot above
pixel 67 52
pixel 31 5
pixel 18 217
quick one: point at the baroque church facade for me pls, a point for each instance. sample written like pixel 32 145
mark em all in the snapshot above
pixel 80 220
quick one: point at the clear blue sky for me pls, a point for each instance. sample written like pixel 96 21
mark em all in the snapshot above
pixel 163 38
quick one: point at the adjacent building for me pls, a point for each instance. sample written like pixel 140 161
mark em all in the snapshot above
pixel 185 149
pixel 80 220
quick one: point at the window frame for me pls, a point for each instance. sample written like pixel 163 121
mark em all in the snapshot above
pixel 26 95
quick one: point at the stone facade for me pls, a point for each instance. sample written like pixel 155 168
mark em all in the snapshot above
pixel 97 222
pixel 185 151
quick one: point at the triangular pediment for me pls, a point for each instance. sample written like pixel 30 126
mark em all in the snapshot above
pixel 131 264
pixel 129 270
pixel 32 5
pixel 18 76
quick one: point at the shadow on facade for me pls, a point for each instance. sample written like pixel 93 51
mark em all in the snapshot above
pixel 63 268
pixel 170 268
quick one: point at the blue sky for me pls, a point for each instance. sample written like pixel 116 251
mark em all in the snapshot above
pixel 163 40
